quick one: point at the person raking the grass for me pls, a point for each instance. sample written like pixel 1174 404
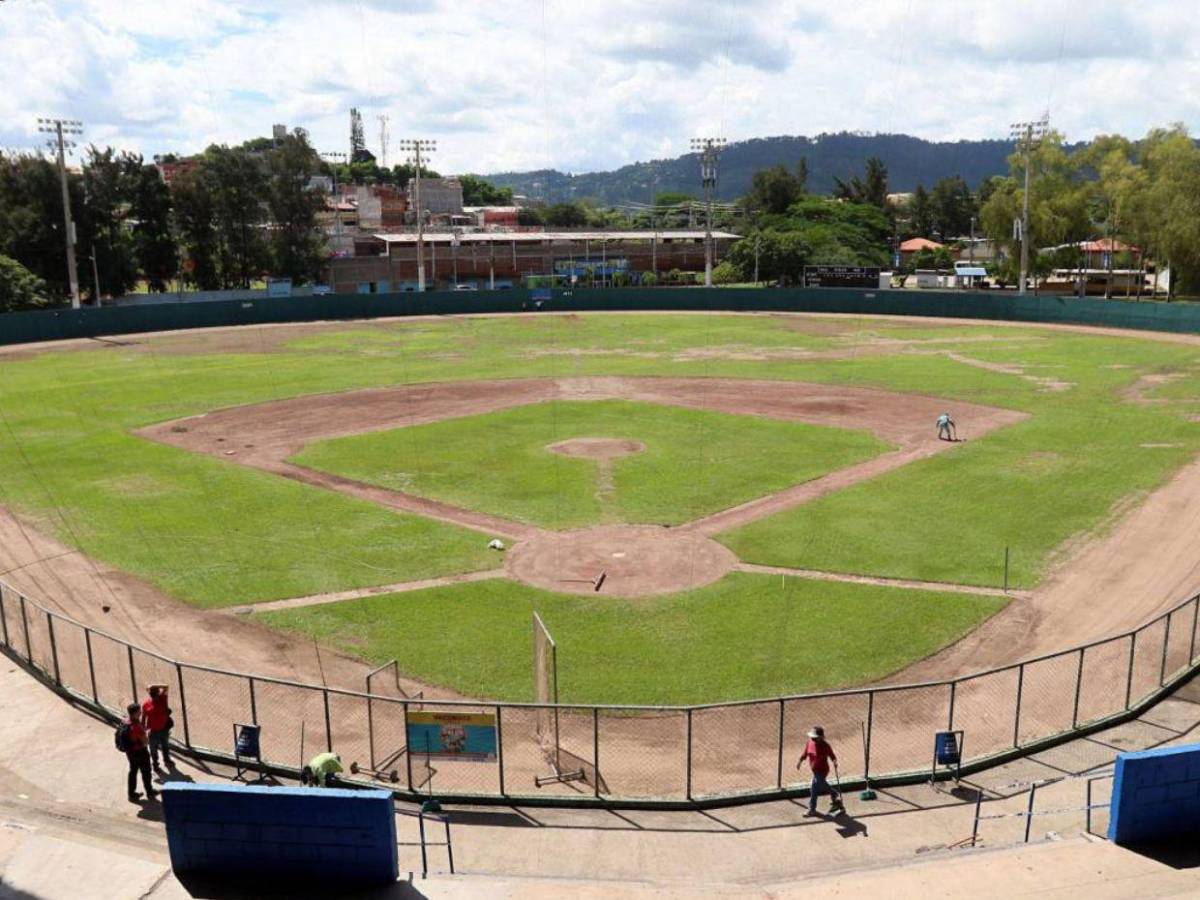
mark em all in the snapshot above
pixel 819 754
pixel 321 770
pixel 945 428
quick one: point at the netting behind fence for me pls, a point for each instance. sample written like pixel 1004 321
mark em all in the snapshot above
pixel 615 753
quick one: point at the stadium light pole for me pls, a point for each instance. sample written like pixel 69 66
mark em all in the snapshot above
pixel 418 150
pixel 1027 135
pixel 335 156
pixel 59 128
pixel 709 149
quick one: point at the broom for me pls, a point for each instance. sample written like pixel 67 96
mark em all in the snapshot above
pixel 867 793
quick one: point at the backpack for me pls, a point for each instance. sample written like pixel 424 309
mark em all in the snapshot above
pixel 121 738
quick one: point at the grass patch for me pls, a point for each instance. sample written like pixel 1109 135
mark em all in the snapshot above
pixel 745 636
pixel 695 462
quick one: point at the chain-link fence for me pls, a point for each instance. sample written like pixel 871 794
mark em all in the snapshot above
pixel 614 753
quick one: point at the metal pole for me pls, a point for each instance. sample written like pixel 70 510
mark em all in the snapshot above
pixel 87 641
pixel 424 859
pixel 1129 677
pixel 8 643
pixel 1078 688
pixel 596 747
pixel 867 751
pixel 1025 213
pixel 1029 812
pixel 779 765
pixel 408 755
pixel 95 278
pixel 975 827
pixel 1087 816
pixel 53 648
pixel 1162 666
pixel 25 626
pixel 187 737
pixel 1191 646
pixel 1006 569
pixel 328 729
pixel 132 673
pixel 689 753
pixel 950 719
pixel 449 843
pixel 500 746
pixel 371 729
pixel 1017 716
pixel 253 704
pixel 68 224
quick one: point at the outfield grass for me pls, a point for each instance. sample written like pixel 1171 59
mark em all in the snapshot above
pixel 745 636
pixel 694 463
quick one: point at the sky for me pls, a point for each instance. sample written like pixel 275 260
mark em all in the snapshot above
pixel 583 86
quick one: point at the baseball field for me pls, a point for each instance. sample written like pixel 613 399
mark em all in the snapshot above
pixel 700 507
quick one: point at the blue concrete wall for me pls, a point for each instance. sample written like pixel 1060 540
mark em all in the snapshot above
pixel 323 835
pixel 1156 795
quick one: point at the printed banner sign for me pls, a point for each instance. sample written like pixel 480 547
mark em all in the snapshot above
pixel 452 735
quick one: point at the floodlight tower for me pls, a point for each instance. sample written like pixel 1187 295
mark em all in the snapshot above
pixel 383 140
pixel 1028 135
pixel 709 149
pixel 419 149
pixel 59 128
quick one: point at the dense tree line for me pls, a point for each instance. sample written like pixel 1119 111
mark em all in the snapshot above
pixel 234 215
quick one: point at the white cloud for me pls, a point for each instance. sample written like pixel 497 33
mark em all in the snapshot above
pixel 527 84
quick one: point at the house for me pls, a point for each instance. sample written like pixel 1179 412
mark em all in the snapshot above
pixel 914 245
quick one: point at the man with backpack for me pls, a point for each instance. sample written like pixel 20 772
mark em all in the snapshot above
pixel 819 754
pixel 131 740
pixel 156 719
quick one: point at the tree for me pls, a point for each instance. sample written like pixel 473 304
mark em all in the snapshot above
pixel 921 213
pixel 1169 212
pixel 480 192
pixel 566 215
pixel 951 208
pixel 154 245
pixel 31 217
pixel 297 245
pixel 19 288
pixel 529 216
pixel 196 222
pixel 108 189
pixel 872 188
pixel 239 187
pixel 773 190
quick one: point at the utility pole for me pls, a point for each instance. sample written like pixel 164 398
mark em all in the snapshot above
pixel 58 128
pixel 709 149
pixel 418 150
pixel 1027 135
pixel 757 242
pixel 971 247
pixel 334 157
pixel 95 276
pixel 383 140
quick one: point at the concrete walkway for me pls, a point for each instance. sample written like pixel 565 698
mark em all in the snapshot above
pixel 64 822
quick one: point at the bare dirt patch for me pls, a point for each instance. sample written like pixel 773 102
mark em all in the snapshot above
pixel 1138 391
pixel 597 448
pixel 634 560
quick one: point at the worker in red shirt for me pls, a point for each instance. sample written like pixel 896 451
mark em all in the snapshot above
pixel 819 754
pixel 156 720
pixel 131 739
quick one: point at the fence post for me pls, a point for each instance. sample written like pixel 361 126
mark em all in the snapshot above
pixel 253 702
pixel 950 718
pixel 596 747
pixel 54 648
pixel 4 618
pixel 1017 714
pixel 867 738
pixel 87 641
pixel 1078 688
pixel 25 626
pixel 408 747
pixel 1191 645
pixel 689 753
pixel 328 729
pixel 499 745
pixel 1162 666
pixel 132 674
pixel 779 766
pixel 1129 676
pixel 187 737
pixel 371 733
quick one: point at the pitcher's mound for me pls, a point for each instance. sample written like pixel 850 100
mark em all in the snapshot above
pixel 635 560
pixel 597 448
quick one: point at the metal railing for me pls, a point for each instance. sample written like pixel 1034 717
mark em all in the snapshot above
pixel 652 755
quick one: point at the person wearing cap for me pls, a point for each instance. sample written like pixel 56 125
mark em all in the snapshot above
pixel 945 428
pixel 819 753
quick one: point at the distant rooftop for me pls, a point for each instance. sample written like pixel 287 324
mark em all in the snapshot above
pixel 508 237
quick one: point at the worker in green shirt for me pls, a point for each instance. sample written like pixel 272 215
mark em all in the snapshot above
pixel 321 770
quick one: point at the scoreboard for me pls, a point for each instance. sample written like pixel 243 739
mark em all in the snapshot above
pixel 841 276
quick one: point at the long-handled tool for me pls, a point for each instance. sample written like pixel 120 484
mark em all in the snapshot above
pixel 867 793
pixel 838 806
